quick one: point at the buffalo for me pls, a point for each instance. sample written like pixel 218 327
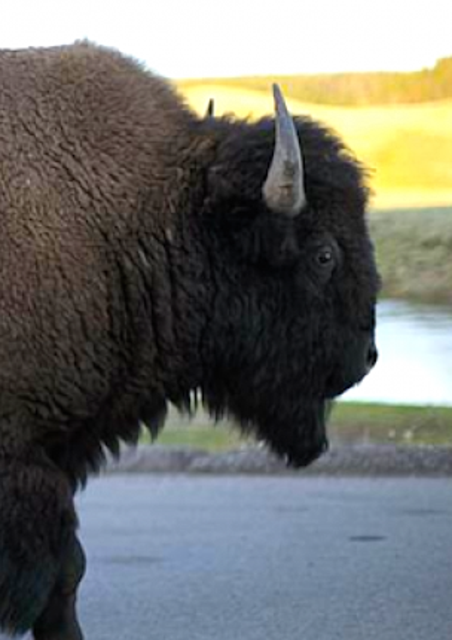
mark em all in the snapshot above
pixel 150 256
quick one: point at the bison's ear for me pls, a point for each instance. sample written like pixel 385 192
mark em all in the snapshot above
pixel 257 235
pixel 244 220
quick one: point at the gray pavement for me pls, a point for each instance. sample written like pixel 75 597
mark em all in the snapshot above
pixel 267 558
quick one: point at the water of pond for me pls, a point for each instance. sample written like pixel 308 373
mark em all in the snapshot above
pixel 415 363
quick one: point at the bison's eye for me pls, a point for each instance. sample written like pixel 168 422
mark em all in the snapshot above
pixel 325 257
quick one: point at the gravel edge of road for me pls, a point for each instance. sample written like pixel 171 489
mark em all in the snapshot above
pixel 341 459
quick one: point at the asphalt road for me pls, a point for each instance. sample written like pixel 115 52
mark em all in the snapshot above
pixel 267 558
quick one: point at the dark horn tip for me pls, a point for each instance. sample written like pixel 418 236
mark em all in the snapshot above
pixel 277 93
pixel 280 103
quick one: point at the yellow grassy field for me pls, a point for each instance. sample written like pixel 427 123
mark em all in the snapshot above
pixel 408 148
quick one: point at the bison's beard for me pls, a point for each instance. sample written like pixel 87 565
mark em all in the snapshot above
pixel 294 430
pixel 300 442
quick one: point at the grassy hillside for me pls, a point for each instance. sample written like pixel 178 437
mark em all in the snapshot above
pixel 407 147
pixel 414 253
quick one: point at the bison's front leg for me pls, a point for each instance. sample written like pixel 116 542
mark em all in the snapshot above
pixel 59 621
pixel 37 531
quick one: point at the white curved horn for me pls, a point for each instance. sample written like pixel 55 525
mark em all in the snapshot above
pixel 284 187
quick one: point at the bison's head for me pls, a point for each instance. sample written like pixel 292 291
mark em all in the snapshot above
pixel 295 282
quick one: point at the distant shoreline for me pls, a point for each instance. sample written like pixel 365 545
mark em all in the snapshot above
pixel 354 88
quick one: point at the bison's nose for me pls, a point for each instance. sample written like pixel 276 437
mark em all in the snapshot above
pixel 372 356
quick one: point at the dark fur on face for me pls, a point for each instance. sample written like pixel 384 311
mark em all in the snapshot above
pixel 140 264
pixel 287 332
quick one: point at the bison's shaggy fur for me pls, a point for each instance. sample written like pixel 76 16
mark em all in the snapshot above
pixel 139 262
